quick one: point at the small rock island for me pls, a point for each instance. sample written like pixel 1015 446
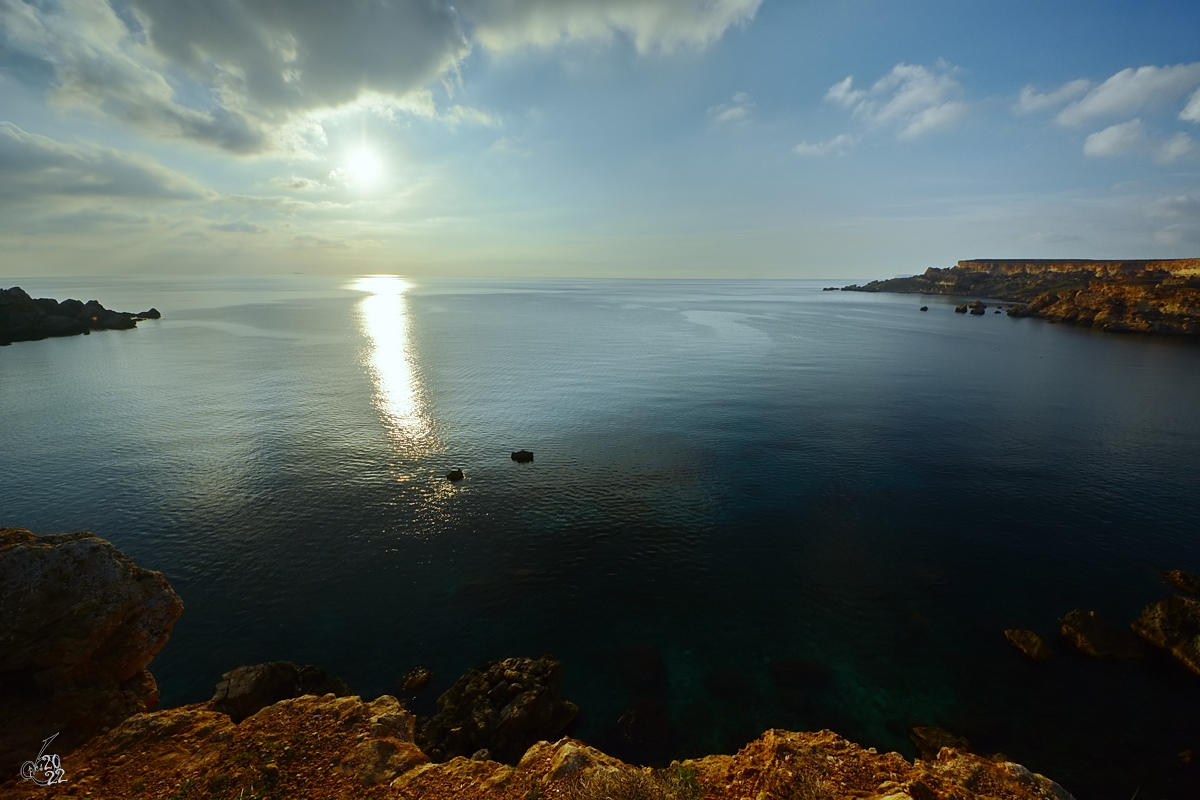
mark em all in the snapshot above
pixel 24 319
pixel 1120 296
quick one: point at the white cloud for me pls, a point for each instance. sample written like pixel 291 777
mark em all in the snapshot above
pixel 1191 111
pixel 843 92
pixel 1175 147
pixel 1030 100
pixel 1133 137
pixel 663 25
pixel 1116 140
pixel 838 145
pixel 1130 90
pixel 32 165
pixel 739 110
pixel 909 101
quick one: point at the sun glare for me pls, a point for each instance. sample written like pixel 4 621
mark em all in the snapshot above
pixel 364 166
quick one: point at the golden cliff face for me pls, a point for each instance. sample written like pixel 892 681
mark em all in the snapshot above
pixel 1145 296
pixel 1098 269
pixel 1122 307
pixel 340 747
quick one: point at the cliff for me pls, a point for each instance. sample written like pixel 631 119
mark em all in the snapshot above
pixel 1144 296
pixel 341 747
pixel 22 318
pixel 79 624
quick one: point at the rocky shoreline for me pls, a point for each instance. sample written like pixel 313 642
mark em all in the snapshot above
pixel 1117 296
pixel 24 319
pixel 79 624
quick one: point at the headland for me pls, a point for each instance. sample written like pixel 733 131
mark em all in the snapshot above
pixel 1147 296
pixel 24 318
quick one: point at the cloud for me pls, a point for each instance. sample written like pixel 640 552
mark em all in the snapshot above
pixel 838 145
pixel 1191 112
pixel 910 101
pixel 31 165
pixel 238 226
pixel 1134 137
pixel 662 25
pixel 1178 218
pixel 1130 90
pixel 1030 100
pixel 100 64
pixel 738 110
pixel 248 76
pixel 320 242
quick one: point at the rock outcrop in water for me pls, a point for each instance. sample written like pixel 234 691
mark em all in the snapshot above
pixel 22 318
pixel 502 708
pixel 245 690
pixel 1174 625
pixel 79 623
pixel 1132 296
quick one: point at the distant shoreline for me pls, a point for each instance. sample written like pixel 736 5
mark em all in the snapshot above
pixel 1134 296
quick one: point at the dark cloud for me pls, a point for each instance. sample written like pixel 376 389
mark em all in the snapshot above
pixel 236 73
pixel 33 165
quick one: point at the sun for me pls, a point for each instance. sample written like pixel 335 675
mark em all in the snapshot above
pixel 364 166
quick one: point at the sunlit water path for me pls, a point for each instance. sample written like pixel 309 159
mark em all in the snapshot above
pixel 817 509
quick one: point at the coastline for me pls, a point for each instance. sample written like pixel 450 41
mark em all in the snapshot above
pixel 1142 296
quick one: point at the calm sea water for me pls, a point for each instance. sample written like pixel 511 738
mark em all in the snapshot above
pixel 753 504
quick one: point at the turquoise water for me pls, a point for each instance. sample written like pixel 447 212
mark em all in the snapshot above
pixel 752 504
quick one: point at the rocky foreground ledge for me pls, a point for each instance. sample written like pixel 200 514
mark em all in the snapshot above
pixel 79 623
pixel 1118 296
pixel 23 319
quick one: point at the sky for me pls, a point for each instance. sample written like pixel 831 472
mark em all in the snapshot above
pixel 593 138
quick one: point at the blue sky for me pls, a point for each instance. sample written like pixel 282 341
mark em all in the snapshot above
pixel 707 138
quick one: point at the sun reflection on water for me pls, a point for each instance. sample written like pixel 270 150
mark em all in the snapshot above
pixel 399 395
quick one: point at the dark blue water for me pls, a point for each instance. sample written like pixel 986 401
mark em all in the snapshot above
pixel 753 504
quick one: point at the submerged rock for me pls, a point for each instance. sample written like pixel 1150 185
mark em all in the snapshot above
pixel 1030 644
pixel 1174 625
pixel 79 624
pixel 1094 637
pixel 1182 581
pixel 503 706
pixel 245 690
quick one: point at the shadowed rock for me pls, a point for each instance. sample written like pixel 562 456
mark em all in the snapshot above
pixel 454 475
pixel 1174 625
pixel 23 318
pixel 245 690
pixel 503 707
pixel 79 623
pixel 1030 644
pixel 930 741
pixel 522 456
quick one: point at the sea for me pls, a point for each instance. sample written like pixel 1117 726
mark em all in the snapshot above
pixel 752 504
